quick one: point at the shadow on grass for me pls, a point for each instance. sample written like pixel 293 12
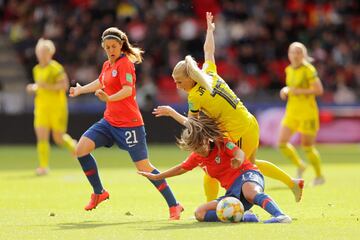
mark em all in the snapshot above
pixel 195 224
pixel 96 224
pixel 165 225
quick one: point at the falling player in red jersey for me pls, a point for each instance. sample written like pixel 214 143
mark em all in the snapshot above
pixel 223 160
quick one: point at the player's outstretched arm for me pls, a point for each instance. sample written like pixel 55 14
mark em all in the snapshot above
pixel 88 88
pixel 168 111
pixel 174 171
pixel 209 45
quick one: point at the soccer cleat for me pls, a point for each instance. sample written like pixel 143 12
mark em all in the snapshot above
pixel 96 199
pixel 279 219
pixel 318 181
pixel 250 217
pixel 175 211
pixel 297 189
pixel 41 171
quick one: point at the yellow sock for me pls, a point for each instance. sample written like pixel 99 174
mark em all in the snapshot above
pixel 211 188
pixel 69 143
pixel 272 171
pixel 290 152
pixel 314 157
pixel 43 148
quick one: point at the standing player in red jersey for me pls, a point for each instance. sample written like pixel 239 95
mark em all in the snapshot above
pixel 223 160
pixel 122 123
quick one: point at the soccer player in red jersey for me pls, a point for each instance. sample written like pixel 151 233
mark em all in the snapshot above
pixel 223 160
pixel 122 122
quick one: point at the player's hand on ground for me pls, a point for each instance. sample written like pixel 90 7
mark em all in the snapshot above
pixel 209 20
pixel 31 88
pixel 102 96
pixel 149 175
pixel 284 93
pixel 235 163
pixel 162 111
pixel 75 91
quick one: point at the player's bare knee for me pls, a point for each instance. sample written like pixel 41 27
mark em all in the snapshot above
pixel 81 151
pixel 250 190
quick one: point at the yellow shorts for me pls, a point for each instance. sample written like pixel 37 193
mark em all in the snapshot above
pixel 249 141
pixel 52 118
pixel 308 126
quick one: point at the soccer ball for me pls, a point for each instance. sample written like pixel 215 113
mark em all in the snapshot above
pixel 230 209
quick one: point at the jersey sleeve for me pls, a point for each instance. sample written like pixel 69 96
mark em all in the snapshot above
pixel 191 162
pixel 59 73
pixel 230 148
pixel 209 67
pixel 311 74
pixel 126 73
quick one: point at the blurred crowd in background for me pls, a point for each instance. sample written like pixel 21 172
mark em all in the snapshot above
pixel 252 37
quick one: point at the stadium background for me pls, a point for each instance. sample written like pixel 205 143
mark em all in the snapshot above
pixel 251 53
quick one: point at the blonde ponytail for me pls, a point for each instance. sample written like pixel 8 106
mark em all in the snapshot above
pixel 188 69
pixel 195 73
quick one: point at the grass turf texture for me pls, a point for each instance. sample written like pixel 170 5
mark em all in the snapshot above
pixel 137 211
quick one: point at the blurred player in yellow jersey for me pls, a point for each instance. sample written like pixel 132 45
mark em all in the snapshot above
pixel 50 105
pixel 302 114
pixel 209 93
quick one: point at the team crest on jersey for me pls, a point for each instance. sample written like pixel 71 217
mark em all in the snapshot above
pixel 114 73
pixel 218 159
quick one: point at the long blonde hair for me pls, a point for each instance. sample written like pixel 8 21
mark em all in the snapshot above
pixel 198 132
pixel 133 53
pixel 188 68
pixel 307 58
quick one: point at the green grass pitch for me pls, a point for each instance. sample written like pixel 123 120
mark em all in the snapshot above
pixel 137 211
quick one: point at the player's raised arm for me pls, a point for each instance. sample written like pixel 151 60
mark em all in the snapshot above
pixel 209 45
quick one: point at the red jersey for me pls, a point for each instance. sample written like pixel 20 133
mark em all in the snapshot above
pixel 218 165
pixel 125 112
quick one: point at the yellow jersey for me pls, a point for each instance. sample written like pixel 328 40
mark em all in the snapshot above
pixel 222 104
pixel 49 74
pixel 301 106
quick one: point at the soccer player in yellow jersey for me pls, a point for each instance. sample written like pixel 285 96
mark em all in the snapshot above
pixel 50 104
pixel 302 114
pixel 209 93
